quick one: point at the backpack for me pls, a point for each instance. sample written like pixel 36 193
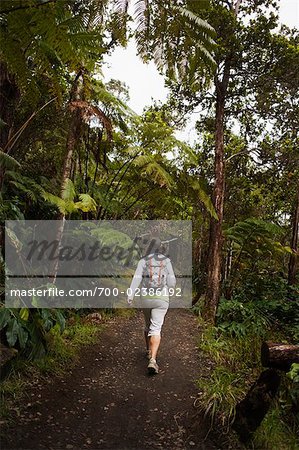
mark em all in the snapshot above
pixel 154 274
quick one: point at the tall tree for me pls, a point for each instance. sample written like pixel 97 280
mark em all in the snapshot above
pixel 292 272
pixel 249 59
pixel 221 81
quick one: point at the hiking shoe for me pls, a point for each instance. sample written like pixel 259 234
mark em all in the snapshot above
pixel 148 354
pixel 152 367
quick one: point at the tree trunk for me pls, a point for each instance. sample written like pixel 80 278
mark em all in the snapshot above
pixel 196 258
pixel 294 243
pixel 216 239
pixel 197 253
pixel 72 140
pixel 9 96
pixel 212 296
pixel 279 356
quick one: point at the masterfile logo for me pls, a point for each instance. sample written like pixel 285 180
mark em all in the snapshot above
pixel 90 264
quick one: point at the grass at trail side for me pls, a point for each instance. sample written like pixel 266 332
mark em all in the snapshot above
pixel 234 367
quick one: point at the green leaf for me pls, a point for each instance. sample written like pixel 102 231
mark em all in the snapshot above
pixel 34 301
pixel 8 161
pixel 22 336
pixel 87 203
pixel 12 332
pixel 68 191
pixel 60 319
pixel 24 314
pixel 293 374
pixel 13 238
pixel 5 316
pixel 57 201
pixel 204 197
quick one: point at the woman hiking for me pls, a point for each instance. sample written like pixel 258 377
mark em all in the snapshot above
pixel 154 275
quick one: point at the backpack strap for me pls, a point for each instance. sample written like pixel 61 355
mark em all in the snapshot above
pixel 150 269
pixel 160 270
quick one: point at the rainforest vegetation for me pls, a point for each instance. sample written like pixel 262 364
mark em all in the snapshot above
pixel 72 148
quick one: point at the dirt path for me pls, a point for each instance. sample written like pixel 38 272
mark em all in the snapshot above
pixel 108 401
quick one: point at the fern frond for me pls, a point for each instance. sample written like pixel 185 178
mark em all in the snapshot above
pixel 54 37
pixel 201 24
pixel 203 53
pixel 29 193
pixel 89 111
pixel 142 160
pixel 142 15
pixel 86 203
pixel 204 198
pixel 256 234
pixel 107 98
pixel 8 161
pixel 57 201
pixel 68 191
pixel 156 173
pixel 121 6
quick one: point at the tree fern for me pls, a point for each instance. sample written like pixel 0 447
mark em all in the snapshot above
pixel 66 203
pixel 153 170
pixel 23 184
pixel 255 234
pixel 48 39
pixel 159 24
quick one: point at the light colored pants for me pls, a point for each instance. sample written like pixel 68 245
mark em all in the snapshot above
pixel 154 315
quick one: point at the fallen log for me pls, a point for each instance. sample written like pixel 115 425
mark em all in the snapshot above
pixel 279 356
pixel 253 408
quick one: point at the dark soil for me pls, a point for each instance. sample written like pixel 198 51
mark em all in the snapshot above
pixel 108 401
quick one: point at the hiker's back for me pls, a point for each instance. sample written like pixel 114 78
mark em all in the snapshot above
pixel 155 271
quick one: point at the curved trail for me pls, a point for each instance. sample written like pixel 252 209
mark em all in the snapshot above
pixel 108 401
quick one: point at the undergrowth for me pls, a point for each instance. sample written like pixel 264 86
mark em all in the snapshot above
pixel 232 352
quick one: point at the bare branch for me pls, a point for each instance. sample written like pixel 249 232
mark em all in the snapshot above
pixel 16 136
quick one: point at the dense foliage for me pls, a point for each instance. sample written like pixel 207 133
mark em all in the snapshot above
pixel 72 148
